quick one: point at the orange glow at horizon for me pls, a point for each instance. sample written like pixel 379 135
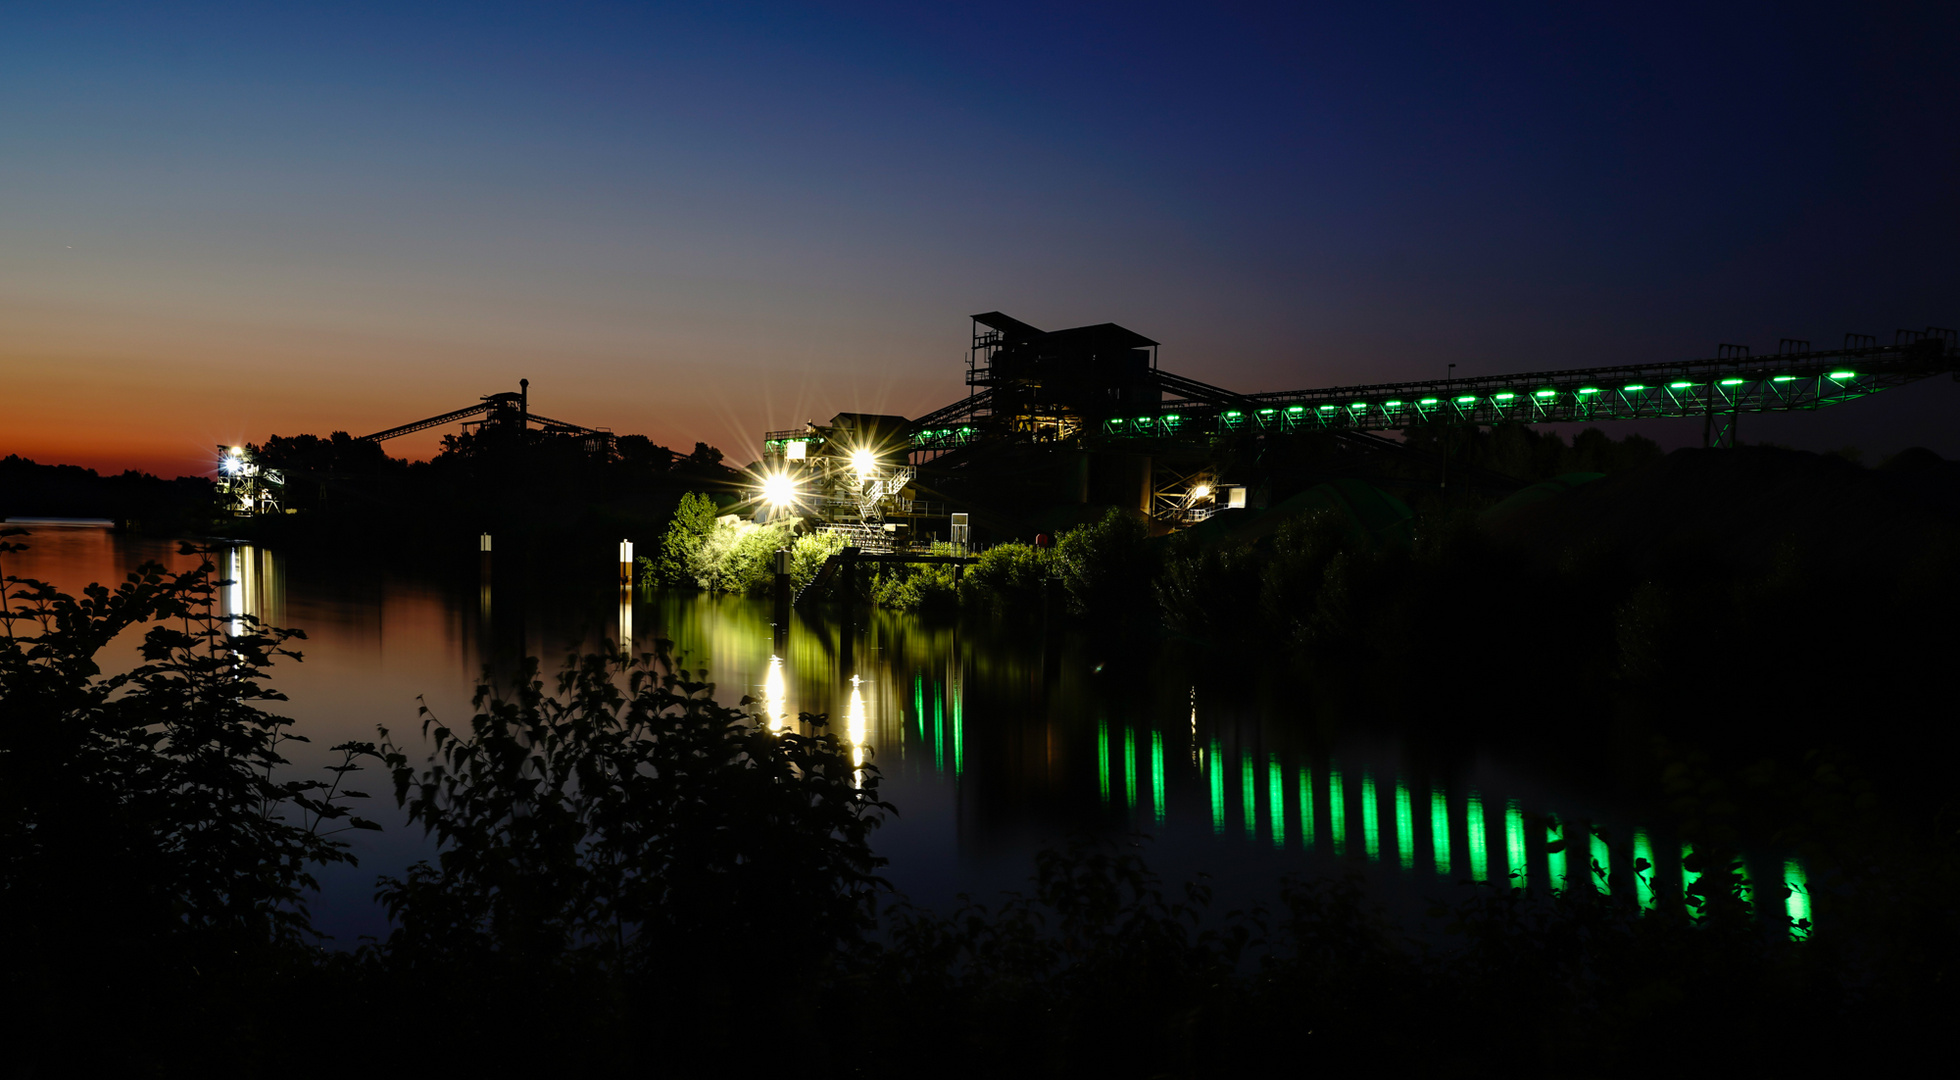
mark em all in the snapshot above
pixel 158 394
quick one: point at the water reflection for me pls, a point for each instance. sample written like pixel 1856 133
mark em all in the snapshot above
pixel 1643 869
pixel 775 696
pixel 253 584
pixel 981 746
pixel 854 728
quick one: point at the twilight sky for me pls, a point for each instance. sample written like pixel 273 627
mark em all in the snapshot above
pixel 221 221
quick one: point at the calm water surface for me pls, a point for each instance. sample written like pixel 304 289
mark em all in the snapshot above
pixel 987 750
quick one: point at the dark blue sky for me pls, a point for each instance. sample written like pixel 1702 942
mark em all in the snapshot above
pixel 221 221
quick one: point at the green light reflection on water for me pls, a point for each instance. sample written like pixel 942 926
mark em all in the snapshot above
pixel 1102 761
pixel 1473 822
pixel 1514 855
pixel 1129 768
pixel 1336 812
pixel 959 730
pixel 1306 807
pixel 1371 840
pixel 1439 828
pixel 1797 904
pixel 919 701
pixel 1157 775
pixel 1643 851
pixel 1555 854
pixel 1689 879
pixel 1405 826
pixel 939 726
pixel 1276 797
pixel 1602 864
pixel 1250 793
pixel 1217 789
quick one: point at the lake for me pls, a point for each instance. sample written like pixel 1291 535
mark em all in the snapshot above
pixel 991 740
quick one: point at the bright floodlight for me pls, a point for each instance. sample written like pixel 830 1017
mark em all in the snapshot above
pixel 1201 491
pixel 778 489
pixel 864 461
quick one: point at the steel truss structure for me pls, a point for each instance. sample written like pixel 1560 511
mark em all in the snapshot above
pixel 1716 391
pixel 852 475
pixel 245 488
pixel 508 410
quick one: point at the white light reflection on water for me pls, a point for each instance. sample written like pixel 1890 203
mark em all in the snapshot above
pixel 854 728
pixel 775 696
pixel 235 592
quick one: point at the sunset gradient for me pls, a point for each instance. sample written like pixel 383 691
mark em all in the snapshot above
pixel 222 221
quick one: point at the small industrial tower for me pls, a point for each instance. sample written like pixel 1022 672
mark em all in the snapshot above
pixel 851 474
pixel 244 488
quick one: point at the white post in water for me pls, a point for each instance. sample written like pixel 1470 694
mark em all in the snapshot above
pixel 626 562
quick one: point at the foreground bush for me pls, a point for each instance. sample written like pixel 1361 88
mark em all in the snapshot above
pixel 152 862
pixel 671 848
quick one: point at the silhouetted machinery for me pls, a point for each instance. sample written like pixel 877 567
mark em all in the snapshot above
pixel 245 488
pixel 505 411
pixel 852 474
pixel 1088 414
